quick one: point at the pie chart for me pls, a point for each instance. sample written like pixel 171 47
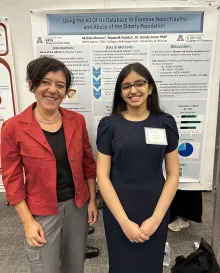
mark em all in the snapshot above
pixel 185 149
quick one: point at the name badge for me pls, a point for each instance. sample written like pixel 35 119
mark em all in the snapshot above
pixel 155 136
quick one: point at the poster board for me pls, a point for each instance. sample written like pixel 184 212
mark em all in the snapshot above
pixel 177 45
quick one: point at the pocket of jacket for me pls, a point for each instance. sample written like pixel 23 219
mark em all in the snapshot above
pixel 32 151
pixel 32 155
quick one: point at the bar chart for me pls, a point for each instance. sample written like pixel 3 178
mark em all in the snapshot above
pixel 190 124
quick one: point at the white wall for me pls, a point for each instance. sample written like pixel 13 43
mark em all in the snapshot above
pixel 18 13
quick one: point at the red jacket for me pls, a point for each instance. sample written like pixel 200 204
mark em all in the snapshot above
pixel 25 148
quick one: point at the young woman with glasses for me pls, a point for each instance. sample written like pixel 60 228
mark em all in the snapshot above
pixel 132 144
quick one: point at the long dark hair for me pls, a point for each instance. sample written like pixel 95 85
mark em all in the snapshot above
pixel 119 105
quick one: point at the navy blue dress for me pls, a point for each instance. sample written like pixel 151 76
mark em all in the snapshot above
pixel 137 177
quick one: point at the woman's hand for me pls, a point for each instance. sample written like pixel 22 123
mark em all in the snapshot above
pixel 92 212
pixel 34 233
pixel 133 232
pixel 149 226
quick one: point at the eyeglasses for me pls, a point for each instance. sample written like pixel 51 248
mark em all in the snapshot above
pixel 139 85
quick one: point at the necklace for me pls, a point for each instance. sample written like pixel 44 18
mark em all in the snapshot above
pixel 47 122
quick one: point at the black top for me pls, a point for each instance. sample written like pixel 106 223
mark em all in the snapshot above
pixel 65 185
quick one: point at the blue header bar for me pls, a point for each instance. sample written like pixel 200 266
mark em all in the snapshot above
pixel 125 23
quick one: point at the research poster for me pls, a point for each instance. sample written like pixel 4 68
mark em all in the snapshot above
pixel 7 86
pixel 176 46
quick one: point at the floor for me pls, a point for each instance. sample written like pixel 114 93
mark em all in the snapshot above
pixel 13 258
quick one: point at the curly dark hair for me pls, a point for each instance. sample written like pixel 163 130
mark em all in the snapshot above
pixel 38 68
